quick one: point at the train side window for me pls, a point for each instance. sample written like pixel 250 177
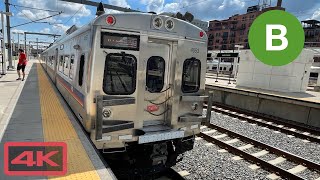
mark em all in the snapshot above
pixel 155 74
pixel 81 70
pixel 66 66
pixel 61 64
pixel 120 74
pixel 191 75
pixel 71 67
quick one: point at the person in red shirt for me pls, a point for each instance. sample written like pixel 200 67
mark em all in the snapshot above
pixel 21 64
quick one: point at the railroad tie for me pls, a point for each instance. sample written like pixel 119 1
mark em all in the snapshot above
pixel 222 151
pixel 237 158
pixel 260 153
pixel 248 146
pixel 183 173
pixel 203 127
pixel 254 167
pixel 297 169
pixel 277 161
pixel 210 132
pixel 232 141
pixel 220 136
pixel 273 176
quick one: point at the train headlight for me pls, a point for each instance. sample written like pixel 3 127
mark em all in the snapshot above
pixel 157 22
pixel 169 25
pixel 195 106
pixel 106 113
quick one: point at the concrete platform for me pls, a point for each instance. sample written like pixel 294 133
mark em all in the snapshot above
pixel 34 111
pixel 302 108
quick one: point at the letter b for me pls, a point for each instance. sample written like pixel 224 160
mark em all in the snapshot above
pixel 281 36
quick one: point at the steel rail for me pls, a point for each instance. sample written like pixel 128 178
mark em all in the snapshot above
pixel 249 157
pixel 271 126
pixel 275 120
pixel 274 150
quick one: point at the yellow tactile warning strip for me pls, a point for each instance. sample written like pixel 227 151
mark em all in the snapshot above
pixel 58 128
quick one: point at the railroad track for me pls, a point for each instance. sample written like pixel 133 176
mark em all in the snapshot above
pixel 302 164
pixel 271 123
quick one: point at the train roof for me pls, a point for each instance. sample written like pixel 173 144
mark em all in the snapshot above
pixel 143 22
pixel 138 22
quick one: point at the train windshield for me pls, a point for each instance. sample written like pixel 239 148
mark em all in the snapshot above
pixel 191 75
pixel 155 74
pixel 120 74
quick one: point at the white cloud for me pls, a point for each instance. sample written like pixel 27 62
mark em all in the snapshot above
pixel 60 28
pixel 120 3
pixel 316 14
pixel 154 5
pixel 45 30
pixel 171 7
pixel 67 8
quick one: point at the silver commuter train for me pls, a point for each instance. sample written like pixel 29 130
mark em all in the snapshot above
pixel 135 81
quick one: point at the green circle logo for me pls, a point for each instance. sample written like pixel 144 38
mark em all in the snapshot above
pixel 276 38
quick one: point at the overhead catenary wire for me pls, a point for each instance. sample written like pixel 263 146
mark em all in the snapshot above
pixel 36 20
pixel 74 14
pixel 22 13
pixel 15 5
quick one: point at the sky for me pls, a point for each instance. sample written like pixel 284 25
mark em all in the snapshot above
pixel 77 14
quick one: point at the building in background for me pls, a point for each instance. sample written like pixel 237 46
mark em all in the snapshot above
pixel 312 32
pixel 225 34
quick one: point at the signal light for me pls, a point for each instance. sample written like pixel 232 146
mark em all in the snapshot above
pixel 201 34
pixel 110 20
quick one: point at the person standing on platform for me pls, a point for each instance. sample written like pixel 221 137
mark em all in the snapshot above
pixel 21 64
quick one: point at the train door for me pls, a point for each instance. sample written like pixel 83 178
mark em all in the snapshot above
pixel 55 65
pixel 158 82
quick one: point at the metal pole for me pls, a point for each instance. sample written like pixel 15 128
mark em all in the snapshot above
pixel 4 64
pixel 218 69
pixel 13 48
pixel 25 43
pixel 18 41
pixel 29 50
pixel 9 35
pixel 37 46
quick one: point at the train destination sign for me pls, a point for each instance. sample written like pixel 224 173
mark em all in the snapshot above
pixel 228 55
pixel 119 41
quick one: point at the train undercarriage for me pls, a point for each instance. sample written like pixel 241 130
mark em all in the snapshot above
pixel 146 160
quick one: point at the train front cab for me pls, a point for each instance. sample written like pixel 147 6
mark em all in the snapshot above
pixel 152 94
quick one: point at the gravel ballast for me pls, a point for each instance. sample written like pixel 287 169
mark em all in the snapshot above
pixel 310 150
pixel 205 162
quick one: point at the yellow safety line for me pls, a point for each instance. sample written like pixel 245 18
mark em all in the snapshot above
pixel 58 128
